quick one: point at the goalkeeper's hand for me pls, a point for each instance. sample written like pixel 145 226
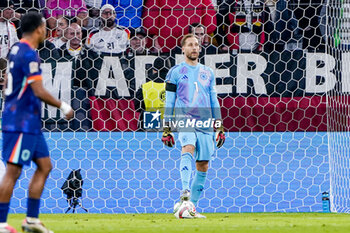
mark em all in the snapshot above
pixel 220 136
pixel 168 137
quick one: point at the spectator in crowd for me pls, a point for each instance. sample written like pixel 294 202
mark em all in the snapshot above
pixel 3 66
pixel 83 59
pixel 308 12
pixel 84 75
pixel 167 21
pixel 67 8
pixel 8 34
pixel 151 95
pixel 129 12
pixel 94 20
pixel 73 35
pixel 59 40
pixel 283 31
pixel 138 42
pixel 246 32
pixel 204 40
pixel 23 5
pixel 225 8
pixel 110 39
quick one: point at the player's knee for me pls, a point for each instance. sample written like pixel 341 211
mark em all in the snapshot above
pixel 202 166
pixel 45 169
pixel 188 148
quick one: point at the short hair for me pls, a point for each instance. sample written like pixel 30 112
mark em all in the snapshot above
pixel 31 21
pixel 67 19
pixel 193 26
pixel 183 40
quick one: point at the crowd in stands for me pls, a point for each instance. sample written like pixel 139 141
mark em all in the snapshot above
pixel 225 25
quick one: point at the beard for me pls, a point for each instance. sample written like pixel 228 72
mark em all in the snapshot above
pixel 108 23
pixel 192 57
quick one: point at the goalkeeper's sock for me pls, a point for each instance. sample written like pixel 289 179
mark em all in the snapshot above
pixel 186 170
pixel 197 186
pixel 33 206
pixel 4 210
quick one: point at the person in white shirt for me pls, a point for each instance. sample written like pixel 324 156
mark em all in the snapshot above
pixel 8 34
pixel 111 38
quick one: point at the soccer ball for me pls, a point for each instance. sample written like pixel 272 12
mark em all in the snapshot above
pixel 184 209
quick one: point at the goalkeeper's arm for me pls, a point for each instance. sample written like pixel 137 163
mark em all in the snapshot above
pixel 216 113
pixel 170 98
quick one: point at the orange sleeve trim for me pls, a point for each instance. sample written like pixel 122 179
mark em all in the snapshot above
pixel 13 25
pixel 128 32
pixel 35 78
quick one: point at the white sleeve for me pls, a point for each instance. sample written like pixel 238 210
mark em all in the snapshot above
pixel 13 33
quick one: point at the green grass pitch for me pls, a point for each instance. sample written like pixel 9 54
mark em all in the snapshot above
pixel 240 223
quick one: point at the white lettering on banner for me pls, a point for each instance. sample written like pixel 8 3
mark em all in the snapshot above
pixel 59 86
pixel 119 81
pixel 180 58
pixel 211 61
pixel 345 76
pixel 313 71
pixel 140 69
pixel 243 73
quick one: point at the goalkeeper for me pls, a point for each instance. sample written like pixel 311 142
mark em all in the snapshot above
pixel 190 93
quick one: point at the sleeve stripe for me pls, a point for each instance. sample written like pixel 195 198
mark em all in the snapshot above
pixel 35 78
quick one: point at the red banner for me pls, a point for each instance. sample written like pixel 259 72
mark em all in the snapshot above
pixel 271 114
pixel 244 114
pixel 113 114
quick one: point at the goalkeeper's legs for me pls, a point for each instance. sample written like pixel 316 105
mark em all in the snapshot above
pixel 188 142
pixel 204 152
pixel 186 170
pixel 199 180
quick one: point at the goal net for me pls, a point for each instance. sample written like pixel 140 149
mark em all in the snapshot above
pixel 272 75
pixel 338 105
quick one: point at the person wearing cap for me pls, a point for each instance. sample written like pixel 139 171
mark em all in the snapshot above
pixel 8 34
pixel 110 38
pixel 138 42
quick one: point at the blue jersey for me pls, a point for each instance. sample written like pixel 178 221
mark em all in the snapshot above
pixel 195 95
pixel 22 112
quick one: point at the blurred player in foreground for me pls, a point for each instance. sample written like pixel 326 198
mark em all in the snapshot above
pixel 190 89
pixel 23 140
